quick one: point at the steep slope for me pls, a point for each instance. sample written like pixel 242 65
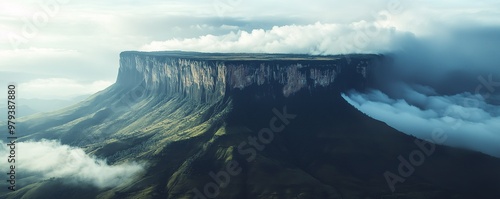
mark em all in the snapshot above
pixel 250 126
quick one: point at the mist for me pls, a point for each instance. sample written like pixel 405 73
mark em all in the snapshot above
pixel 446 82
pixel 47 159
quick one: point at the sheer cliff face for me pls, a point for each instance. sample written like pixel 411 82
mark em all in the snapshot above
pixel 200 80
pixel 211 76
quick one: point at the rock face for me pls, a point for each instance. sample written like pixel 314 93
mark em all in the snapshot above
pixel 249 126
pixel 208 76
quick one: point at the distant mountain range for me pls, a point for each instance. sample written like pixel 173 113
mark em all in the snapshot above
pixel 27 107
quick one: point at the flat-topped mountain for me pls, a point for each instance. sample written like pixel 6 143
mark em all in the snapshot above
pixel 214 74
pixel 212 125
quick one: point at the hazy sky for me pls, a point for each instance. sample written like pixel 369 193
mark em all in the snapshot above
pixel 64 48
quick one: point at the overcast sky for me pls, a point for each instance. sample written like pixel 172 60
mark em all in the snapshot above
pixel 64 48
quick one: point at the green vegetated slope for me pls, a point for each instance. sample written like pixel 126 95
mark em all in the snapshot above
pixel 327 149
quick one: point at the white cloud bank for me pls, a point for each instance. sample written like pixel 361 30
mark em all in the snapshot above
pixel 317 38
pixel 467 120
pixel 50 159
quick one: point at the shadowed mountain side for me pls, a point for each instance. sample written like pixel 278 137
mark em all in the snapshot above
pixel 190 119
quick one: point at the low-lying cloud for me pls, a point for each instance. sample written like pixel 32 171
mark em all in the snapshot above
pixel 467 119
pixel 46 159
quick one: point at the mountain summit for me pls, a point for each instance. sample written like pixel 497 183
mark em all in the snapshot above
pixel 213 125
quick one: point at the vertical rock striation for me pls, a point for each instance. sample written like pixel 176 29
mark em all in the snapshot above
pixel 206 77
